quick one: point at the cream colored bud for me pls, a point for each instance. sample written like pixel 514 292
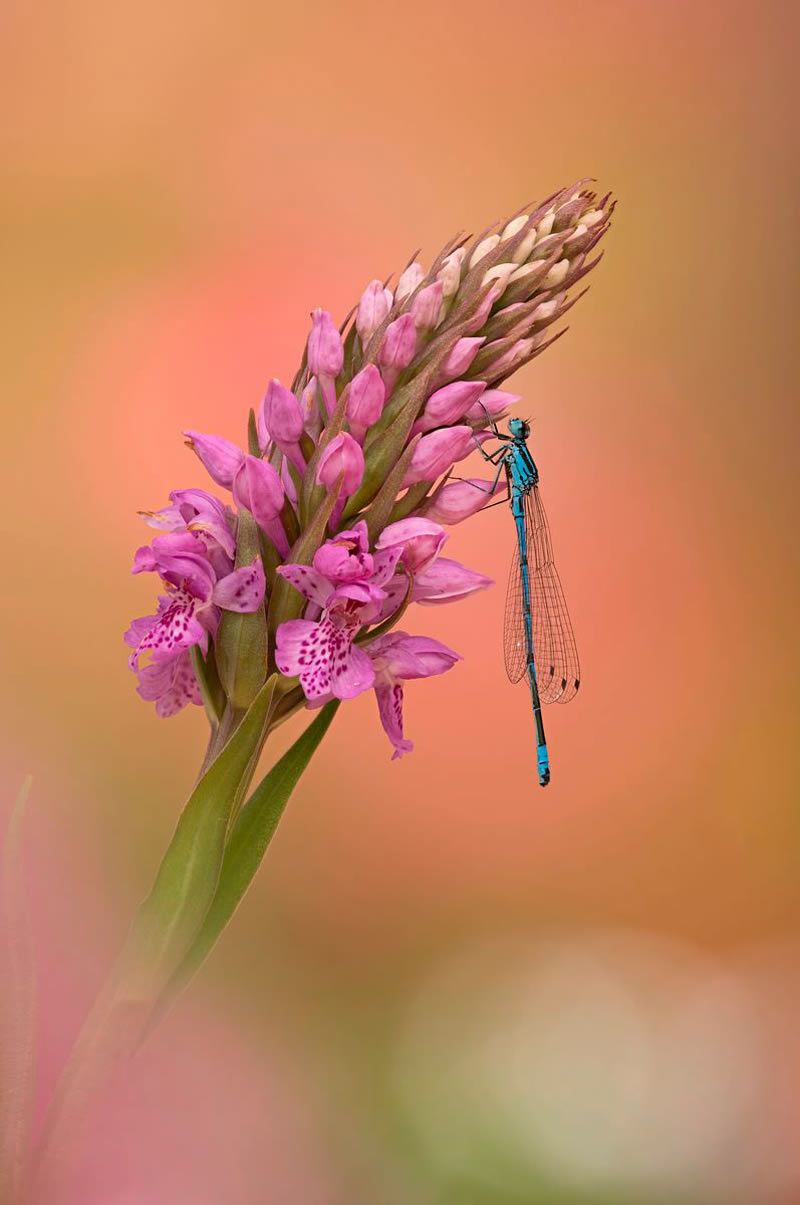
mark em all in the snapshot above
pixel 483 248
pixel 546 224
pixel 592 217
pixel 525 247
pixel 409 281
pixel 525 270
pixel 514 227
pixel 450 271
pixel 500 272
pixel 556 274
pixel 578 231
pixel 546 310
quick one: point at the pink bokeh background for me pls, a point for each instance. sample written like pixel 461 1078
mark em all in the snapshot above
pixel 183 184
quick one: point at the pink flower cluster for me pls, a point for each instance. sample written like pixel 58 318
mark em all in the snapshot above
pixel 195 563
pixel 367 437
pixel 349 589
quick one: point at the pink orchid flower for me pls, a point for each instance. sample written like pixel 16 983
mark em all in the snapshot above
pixel 187 614
pixel 397 658
pixel 321 651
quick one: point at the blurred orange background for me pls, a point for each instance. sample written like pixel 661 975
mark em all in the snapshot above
pixel 446 985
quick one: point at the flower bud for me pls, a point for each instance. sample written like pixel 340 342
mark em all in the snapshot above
pixel 365 401
pixel 546 224
pixel 342 457
pixel 500 273
pixel 426 308
pixel 325 350
pixel 375 303
pixel 436 452
pixel 280 416
pixel 450 272
pixel 397 349
pixel 220 457
pixel 525 246
pixel 548 309
pixel 421 541
pixel 478 319
pixel 493 402
pixel 309 404
pixel 448 405
pixel 508 359
pixel 556 274
pixel 528 272
pixel 258 488
pixel 458 500
pixel 409 281
pixel 483 248
pixel 514 227
pixel 459 359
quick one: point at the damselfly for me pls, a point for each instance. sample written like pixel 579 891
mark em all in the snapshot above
pixel 538 637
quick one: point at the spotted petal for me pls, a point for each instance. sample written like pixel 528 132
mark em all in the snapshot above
pixel 310 583
pixel 242 590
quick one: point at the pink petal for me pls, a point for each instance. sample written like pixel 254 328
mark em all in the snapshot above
pixel 390 709
pixel 351 672
pixel 447 581
pixel 292 642
pixel 242 590
pixel 398 655
pixel 420 541
pixel 308 582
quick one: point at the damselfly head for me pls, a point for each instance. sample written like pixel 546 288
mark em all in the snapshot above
pixel 519 428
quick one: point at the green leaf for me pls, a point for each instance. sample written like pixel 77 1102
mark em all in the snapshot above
pixel 248 842
pixel 170 918
pixel 17 1019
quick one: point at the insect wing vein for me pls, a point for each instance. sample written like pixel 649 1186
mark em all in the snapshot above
pixel 556 654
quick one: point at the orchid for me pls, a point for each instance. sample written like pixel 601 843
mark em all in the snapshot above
pixel 339 499
pixel 397 658
pixel 286 592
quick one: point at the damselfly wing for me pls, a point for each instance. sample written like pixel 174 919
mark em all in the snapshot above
pixel 555 652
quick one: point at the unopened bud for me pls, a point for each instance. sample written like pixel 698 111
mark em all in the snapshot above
pixel 257 488
pixel 375 303
pixel 459 359
pixel 397 349
pixel 546 224
pixel 458 500
pixel 514 227
pixel 410 280
pixel 220 457
pixel 525 246
pixel 448 405
pixel 483 248
pixel 556 274
pixel 426 308
pixel 280 416
pixel 365 401
pixel 325 350
pixel 450 272
pixel 500 273
pixel 342 458
pixel 309 404
pixel 436 452
pixel 511 357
